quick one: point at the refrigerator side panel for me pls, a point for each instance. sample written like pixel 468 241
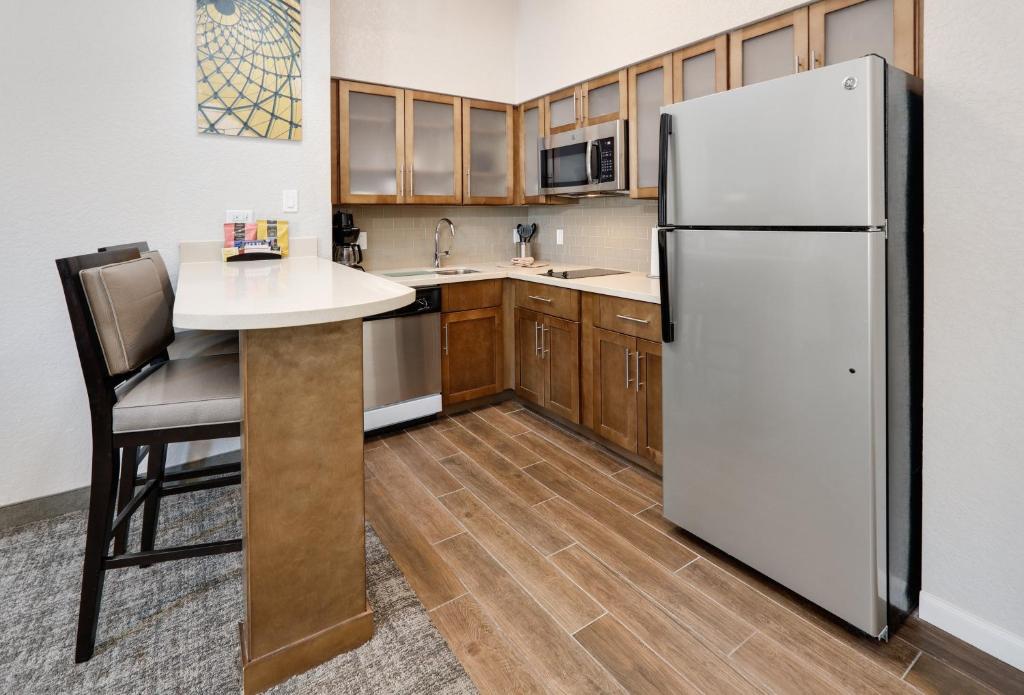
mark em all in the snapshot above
pixel 800 151
pixel 775 432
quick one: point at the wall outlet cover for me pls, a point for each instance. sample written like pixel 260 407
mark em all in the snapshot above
pixel 362 240
pixel 238 216
pixel 559 236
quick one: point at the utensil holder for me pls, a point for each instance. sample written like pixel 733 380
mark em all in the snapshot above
pixel 522 249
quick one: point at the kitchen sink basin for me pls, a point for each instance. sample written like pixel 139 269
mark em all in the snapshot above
pixel 408 273
pixel 455 271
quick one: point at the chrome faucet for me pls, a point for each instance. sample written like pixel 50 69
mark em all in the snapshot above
pixel 437 241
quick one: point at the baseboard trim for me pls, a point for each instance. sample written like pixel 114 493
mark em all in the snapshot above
pixel 992 639
pixel 41 508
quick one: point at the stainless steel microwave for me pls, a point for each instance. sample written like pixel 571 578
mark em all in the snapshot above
pixel 586 161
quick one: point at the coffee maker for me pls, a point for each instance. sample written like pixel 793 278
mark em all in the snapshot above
pixel 345 236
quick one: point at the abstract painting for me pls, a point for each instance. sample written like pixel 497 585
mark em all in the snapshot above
pixel 248 68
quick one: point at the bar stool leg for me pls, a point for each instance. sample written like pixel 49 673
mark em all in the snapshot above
pixel 151 511
pixel 125 490
pixel 97 540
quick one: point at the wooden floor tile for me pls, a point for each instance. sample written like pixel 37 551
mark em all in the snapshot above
pixel 640 482
pixel 570 465
pixel 586 451
pixel 707 620
pixel 537 531
pixel 553 654
pixel 372 443
pixel 766 662
pixel 499 419
pixel 638 669
pixel 656 545
pixel 400 486
pixel 427 574
pixel 442 423
pixel 936 677
pixel 497 440
pixel 492 662
pixel 528 489
pixel 509 406
pixel 422 464
pixel 431 440
pixel 565 601
pixel 701 666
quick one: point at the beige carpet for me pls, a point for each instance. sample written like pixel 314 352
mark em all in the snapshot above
pixel 173 628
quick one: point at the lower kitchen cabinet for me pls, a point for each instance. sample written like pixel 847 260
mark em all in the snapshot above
pixel 548 362
pixel 648 393
pixel 471 354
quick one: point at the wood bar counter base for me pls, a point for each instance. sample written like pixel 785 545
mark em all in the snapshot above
pixel 302 451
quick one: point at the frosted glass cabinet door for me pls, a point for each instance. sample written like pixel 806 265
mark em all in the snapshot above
pixel 531 128
pixel 370 121
pixel 769 49
pixel 433 148
pixel 700 69
pixel 650 88
pixel 846 29
pixel 563 110
pixel 604 99
pixel 487 152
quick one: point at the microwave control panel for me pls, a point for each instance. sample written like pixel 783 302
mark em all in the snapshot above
pixel 604 170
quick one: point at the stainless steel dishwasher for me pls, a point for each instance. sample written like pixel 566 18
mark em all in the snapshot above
pixel 402 362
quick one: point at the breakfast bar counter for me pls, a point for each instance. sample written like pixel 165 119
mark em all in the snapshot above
pixel 300 323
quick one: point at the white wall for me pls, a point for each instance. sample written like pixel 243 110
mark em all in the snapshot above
pixel 973 574
pixel 98 145
pixel 461 47
pixel 567 41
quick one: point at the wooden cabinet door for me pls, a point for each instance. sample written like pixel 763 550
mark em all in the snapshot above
pixel 846 29
pixel 700 69
pixel 487 152
pixel 560 343
pixel 648 393
pixel 530 374
pixel 530 131
pixel 471 351
pixel 562 110
pixel 650 88
pixel 605 98
pixel 769 49
pixel 615 400
pixel 433 148
pixel 371 139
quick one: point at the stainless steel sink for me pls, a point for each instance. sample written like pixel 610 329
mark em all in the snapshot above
pixel 455 271
pixel 408 273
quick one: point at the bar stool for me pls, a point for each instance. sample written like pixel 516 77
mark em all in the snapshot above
pixel 121 322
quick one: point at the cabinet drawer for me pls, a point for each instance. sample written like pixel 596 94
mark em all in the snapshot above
pixel 640 319
pixel 461 296
pixel 554 301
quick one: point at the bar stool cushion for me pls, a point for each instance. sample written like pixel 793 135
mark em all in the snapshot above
pixel 130 312
pixel 181 393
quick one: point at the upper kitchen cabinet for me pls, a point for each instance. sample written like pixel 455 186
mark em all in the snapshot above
pixel 529 132
pixel 487 138
pixel 371 130
pixel 604 99
pixel 846 29
pixel 769 49
pixel 700 69
pixel 650 88
pixel 562 110
pixel 433 148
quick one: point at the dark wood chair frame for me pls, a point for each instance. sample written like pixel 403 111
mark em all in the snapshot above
pixel 108 487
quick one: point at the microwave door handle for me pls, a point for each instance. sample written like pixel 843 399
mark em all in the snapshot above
pixel 590 174
pixel 595 166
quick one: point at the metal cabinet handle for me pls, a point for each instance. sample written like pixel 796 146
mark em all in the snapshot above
pixel 575 113
pixel 814 60
pixel 637 383
pixel 796 64
pixel 631 318
pixel 539 299
pixel 401 182
pixel 446 339
pixel 469 184
pixel 544 341
pixel 536 341
pixel 626 361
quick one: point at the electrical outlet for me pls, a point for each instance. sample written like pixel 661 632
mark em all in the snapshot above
pixel 515 236
pixel 238 216
pixel 559 236
pixel 290 200
pixel 362 240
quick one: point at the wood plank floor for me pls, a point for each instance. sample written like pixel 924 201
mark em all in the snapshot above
pixel 545 562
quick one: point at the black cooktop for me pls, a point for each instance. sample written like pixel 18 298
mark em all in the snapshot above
pixel 582 273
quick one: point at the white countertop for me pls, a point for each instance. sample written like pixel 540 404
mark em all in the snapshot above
pixel 294 291
pixel 631 285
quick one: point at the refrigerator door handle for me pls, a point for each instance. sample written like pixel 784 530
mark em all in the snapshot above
pixel 668 329
pixel 664 135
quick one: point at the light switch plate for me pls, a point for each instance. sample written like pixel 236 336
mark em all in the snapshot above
pixel 238 216
pixel 289 200
pixel 559 236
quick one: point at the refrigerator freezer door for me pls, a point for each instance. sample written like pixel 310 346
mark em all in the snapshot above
pixel 775 434
pixel 799 151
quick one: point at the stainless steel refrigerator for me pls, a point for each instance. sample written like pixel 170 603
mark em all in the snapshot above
pixel 789 253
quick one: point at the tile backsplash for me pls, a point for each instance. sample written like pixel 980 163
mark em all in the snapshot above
pixel 610 232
